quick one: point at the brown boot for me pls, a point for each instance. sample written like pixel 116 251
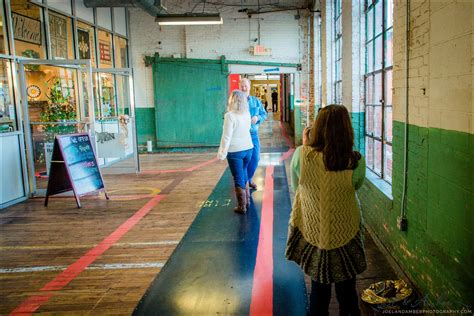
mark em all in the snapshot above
pixel 241 200
pixel 252 185
pixel 247 196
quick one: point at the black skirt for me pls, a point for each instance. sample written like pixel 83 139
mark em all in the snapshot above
pixel 327 266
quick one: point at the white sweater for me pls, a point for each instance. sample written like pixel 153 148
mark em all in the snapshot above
pixel 235 134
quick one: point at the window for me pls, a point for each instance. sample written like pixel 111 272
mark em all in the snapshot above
pixel 105 49
pixel 338 51
pixel 378 87
pixel 3 33
pixel 7 107
pixel 86 42
pixel 60 34
pixel 121 57
pixel 28 29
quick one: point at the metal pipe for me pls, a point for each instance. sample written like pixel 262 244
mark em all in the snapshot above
pixel 152 7
pixel 405 147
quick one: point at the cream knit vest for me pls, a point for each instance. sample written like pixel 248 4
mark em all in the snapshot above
pixel 325 208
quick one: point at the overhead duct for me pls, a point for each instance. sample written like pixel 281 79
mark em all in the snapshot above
pixel 152 7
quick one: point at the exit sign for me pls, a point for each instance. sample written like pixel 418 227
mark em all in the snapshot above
pixel 260 50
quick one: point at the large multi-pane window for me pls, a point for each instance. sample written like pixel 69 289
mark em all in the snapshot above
pixel 378 86
pixel 338 51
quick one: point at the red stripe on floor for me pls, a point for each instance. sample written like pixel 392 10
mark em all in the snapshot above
pixel 287 154
pixel 262 290
pixel 31 304
pixel 180 170
pixel 202 164
pixel 285 136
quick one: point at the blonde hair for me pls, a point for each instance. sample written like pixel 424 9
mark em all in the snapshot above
pixel 237 102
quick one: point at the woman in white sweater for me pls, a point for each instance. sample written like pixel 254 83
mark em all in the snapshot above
pixel 236 145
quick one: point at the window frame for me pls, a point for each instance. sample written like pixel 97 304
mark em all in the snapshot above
pixel 378 87
pixel 337 42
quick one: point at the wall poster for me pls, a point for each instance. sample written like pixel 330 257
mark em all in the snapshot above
pixel 58 32
pixel 105 54
pixel 26 29
pixel 84 44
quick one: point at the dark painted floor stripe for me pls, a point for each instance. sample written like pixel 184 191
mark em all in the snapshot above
pixel 211 270
pixel 289 290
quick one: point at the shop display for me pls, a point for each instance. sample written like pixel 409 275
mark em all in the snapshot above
pixel 105 53
pixel 60 108
pixel 84 44
pixel 31 54
pixel 26 29
pixel 33 91
pixel 58 36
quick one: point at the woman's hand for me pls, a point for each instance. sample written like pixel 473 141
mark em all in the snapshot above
pixel 306 133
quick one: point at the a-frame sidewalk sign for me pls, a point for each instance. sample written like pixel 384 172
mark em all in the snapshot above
pixel 74 167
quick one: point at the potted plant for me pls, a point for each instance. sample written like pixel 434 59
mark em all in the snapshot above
pixel 59 109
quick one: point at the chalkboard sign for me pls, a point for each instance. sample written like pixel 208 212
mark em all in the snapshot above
pixel 74 167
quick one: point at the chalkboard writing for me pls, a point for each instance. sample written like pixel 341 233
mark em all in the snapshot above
pixel 74 167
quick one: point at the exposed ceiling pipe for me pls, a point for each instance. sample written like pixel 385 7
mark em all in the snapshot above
pixel 152 7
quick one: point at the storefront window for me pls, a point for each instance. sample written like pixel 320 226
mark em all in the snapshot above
pixel 52 109
pixel 86 42
pixel 105 49
pixel 3 33
pixel 121 56
pixel 123 98
pixel 107 104
pixel 27 20
pixel 7 108
pixel 60 30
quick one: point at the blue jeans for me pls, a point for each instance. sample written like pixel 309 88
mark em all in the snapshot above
pixel 255 156
pixel 238 162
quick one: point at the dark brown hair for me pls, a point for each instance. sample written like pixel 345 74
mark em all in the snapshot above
pixel 333 135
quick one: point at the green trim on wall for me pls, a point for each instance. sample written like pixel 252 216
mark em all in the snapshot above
pixel 149 60
pixel 358 124
pixel 146 128
pixel 436 251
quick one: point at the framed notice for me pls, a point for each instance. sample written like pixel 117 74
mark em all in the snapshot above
pixel 58 34
pixel 105 53
pixel 26 29
pixel 84 44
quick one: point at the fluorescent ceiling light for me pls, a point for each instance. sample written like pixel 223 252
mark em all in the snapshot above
pixel 188 19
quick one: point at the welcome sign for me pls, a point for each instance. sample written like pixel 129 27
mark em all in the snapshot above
pixel 26 29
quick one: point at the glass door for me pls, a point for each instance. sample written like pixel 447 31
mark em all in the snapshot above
pixel 56 99
pixel 114 124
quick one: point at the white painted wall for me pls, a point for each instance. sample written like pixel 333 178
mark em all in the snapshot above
pixel 279 31
pixel 441 67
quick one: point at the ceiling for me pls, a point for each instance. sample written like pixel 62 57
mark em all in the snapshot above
pixel 244 6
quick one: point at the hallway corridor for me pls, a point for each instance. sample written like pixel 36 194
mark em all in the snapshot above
pixel 169 229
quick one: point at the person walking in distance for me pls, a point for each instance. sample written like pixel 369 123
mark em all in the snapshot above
pixel 257 115
pixel 325 235
pixel 274 101
pixel 236 145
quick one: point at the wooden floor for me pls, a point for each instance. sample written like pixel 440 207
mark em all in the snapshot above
pixel 37 244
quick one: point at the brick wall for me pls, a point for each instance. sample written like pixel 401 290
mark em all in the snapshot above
pixel 436 250
pixel 279 31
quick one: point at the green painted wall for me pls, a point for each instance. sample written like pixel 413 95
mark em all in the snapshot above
pixel 358 123
pixel 437 250
pixel 190 102
pixel 146 128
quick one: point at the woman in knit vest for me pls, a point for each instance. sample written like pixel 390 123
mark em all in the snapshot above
pixel 325 235
pixel 236 145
